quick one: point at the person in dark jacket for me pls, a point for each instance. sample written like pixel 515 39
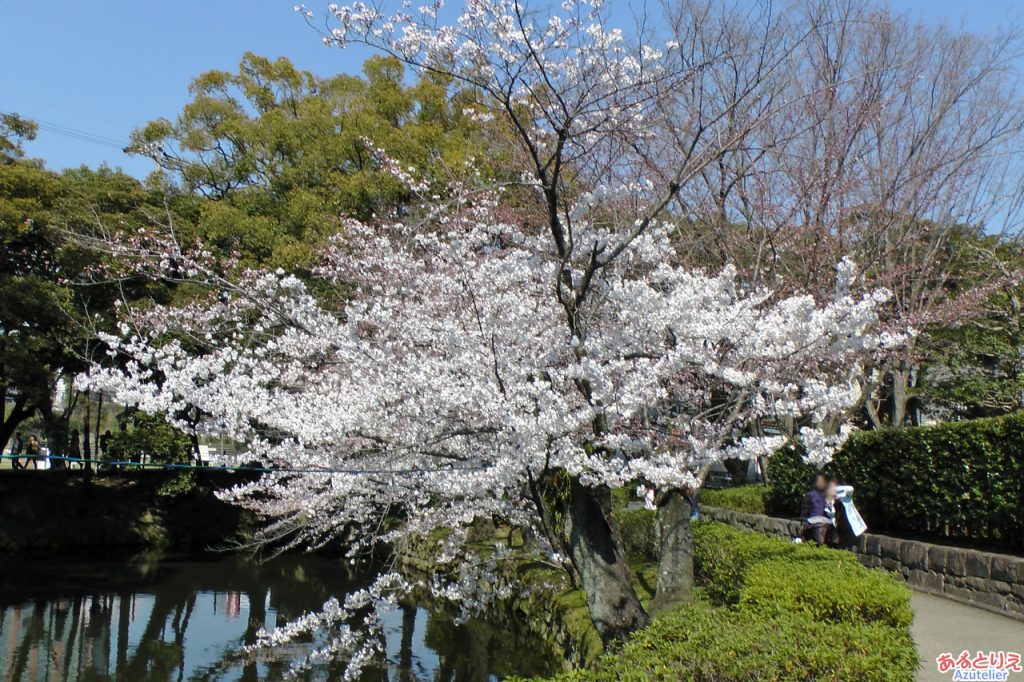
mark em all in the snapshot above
pixel 105 442
pixel 818 512
pixel 16 450
pixel 74 449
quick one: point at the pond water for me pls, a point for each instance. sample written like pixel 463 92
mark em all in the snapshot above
pixel 184 618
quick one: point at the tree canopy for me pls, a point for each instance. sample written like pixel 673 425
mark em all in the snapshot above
pixel 53 297
pixel 283 155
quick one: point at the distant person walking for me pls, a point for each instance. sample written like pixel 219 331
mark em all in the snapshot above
pixel 105 442
pixel 33 452
pixel 16 449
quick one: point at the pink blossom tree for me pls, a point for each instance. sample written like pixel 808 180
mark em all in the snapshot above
pixel 504 339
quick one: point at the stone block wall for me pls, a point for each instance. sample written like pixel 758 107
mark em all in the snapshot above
pixel 984 579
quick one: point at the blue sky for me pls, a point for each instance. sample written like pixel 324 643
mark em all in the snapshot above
pixel 105 67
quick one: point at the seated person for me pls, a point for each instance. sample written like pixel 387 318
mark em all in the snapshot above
pixel 818 512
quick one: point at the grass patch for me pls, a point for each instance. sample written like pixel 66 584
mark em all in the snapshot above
pixel 700 642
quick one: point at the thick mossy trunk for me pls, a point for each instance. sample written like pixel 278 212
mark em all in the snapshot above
pixel 675 566
pixel 605 576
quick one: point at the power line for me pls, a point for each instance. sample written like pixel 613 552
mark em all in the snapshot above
pixel 84 137
pixel 76 133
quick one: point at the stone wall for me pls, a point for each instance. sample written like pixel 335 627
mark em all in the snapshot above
pixel 984 579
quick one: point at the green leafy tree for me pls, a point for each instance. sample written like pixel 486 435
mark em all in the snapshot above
pixel 14 131
pixel 34 302
pixel 975 366
pixel 52 302
pixel 151 437
pixel 283 154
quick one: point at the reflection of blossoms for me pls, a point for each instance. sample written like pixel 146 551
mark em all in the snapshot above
pixel 477 584
pixel 355 627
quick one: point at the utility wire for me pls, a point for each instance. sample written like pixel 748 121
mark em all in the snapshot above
pixel 84 137
pixel 75 133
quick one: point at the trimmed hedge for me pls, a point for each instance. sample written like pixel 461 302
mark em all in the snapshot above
pixel 793 613
pixel 723 555
pixel 702 643
pixel 750 499
pixel 844 593
pixel 955 480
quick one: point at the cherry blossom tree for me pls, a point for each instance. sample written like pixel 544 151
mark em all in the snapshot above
pixel 512 349
pixel 902 138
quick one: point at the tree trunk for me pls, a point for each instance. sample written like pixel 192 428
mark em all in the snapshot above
pixel 18 414
pixel 86 424
pixel 675 565
pixel 55 427
pixel 900 394
pixel 871 409
pixel 99 418
pixel 604 574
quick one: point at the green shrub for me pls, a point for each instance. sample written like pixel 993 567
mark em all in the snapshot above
pixel 749 499
pixel 698 642
pixel 722 556
pixel 803 613
pixel 638 534
pixel 959 479
pixel 181 483
pixel 150 436
pixel 789 479
pixel 845 592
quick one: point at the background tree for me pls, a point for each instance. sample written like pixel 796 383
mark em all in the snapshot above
pixel 51 303
pixel 899 136
pixel 973 366
pixel 14 130
pixel 283 155
pixel 150 436
pixel 34 302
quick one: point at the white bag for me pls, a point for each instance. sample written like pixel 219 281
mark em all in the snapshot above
pixel 845 495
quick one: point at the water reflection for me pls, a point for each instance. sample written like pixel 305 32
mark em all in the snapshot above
pixel 184 619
